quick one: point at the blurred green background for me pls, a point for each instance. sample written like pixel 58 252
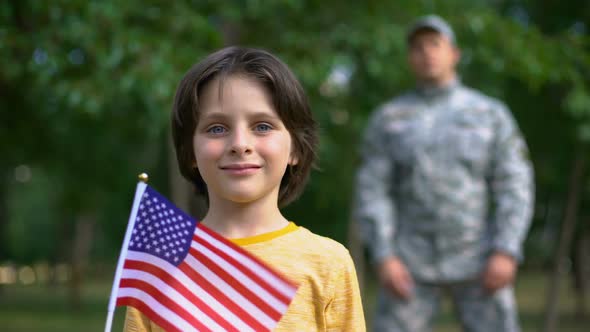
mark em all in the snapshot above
pixel 85 95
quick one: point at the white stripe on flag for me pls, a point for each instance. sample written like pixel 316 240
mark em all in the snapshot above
pixel 242 278
pixel 280 285
pixel 191 286
pixel 153 304
pixel 174 296
pixel 230 292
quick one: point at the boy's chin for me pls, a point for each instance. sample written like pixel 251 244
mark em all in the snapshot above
pixel 242 198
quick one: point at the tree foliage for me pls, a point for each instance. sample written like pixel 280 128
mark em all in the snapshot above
pixel 86 89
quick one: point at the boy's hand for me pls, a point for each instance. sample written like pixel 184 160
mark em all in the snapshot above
pixel 394 275
pixel 500 272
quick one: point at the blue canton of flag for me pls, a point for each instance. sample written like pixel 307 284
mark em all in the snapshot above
pixel 161 229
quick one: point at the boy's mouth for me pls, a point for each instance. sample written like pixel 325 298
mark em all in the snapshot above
pixel 240 169
pixel 239 166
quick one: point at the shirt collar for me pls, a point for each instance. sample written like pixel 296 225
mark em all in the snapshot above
pixel 433 91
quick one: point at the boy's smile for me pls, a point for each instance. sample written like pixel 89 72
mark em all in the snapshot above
pixel 241 169
pixel 241 146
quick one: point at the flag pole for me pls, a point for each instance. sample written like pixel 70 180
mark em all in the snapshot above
pixel 139 190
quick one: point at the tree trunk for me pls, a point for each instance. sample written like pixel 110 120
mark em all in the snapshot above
pixel 567 230
pixel 83 236
pixel 582 273
pixel 3 221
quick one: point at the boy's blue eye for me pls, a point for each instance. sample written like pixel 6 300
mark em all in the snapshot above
pixel 216 130
pixel 263 127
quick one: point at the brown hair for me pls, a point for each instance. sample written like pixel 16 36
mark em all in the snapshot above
pixel 288 98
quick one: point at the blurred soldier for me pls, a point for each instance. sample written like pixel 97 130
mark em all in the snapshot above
pixel 444 195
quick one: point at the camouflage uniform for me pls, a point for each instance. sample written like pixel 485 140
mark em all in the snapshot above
pixel 445 180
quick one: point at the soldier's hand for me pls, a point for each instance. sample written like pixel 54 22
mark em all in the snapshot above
pixel 500 272
pixel 394 275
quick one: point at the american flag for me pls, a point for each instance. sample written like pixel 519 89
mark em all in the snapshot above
pixel 185 277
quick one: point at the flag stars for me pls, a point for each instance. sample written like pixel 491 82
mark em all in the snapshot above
pixel 161 230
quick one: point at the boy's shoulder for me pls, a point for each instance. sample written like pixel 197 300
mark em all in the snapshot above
pixel 315 244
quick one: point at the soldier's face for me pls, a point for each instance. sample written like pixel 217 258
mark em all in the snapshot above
pixel 433 57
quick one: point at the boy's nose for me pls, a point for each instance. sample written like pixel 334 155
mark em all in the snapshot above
pixel 240 143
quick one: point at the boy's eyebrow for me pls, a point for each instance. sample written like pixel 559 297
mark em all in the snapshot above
pixel 255 114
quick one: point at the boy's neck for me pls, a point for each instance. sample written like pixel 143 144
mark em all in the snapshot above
pixel 233 220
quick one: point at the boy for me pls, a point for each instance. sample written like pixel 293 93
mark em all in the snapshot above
pixel 245 136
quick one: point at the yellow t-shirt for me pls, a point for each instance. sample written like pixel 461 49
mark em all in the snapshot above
pixel 328 297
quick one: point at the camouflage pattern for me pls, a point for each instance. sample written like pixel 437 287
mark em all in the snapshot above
pixel 445 180
pixel 479 312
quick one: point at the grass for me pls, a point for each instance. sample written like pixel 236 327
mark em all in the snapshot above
pixel 42 308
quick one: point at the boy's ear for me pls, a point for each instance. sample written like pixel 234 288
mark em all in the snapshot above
pixel 293 159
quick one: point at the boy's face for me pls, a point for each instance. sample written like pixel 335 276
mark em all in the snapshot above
pixel 433 57
pixel 241 146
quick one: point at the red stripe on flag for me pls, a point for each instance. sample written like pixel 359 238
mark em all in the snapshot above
pixel 147 310
pixel 244 269
pixel 246 253
pixel 164 300
pixel 236 284
pixel 179 287
pixel 244 315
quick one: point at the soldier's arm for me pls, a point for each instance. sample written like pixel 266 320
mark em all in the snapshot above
pixel 512 185
pixel 373 206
